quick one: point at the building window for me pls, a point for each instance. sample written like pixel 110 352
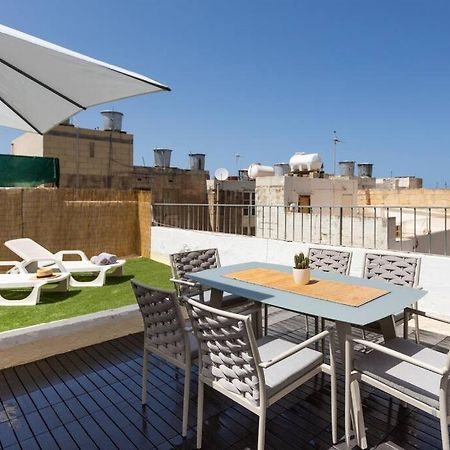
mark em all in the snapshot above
pixel 249 199
pixel 92 149
pixel 304 201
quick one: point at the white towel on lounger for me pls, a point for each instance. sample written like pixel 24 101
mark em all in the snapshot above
pixel 104 259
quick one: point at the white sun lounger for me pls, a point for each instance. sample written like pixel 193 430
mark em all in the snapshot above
pixel 19 278
pixel 34 255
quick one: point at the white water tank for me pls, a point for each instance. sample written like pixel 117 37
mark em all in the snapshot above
pixel 301 162
pixel 257 170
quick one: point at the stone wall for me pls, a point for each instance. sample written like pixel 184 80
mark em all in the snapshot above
pixel 404 197
pixel 83 219
pixel 171 185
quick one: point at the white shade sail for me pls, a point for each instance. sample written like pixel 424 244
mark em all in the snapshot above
pixel 42 84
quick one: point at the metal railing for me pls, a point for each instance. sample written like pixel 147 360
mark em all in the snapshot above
pixel 408 228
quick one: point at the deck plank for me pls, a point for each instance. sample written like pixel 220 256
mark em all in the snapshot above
pixel 90 398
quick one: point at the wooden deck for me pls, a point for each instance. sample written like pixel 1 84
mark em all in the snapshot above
pixel 90 398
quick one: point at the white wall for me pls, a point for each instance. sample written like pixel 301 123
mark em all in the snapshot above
pixel 283 190
pixel 280 223
pixel 236 249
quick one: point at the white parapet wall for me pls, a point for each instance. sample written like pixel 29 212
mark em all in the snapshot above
pixel 237 249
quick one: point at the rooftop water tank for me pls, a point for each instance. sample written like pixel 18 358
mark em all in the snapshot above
pixel 347 168
pixel 197 161
pixel 281 168
pixel 243 174
pixel 257 170
pixel 112 120
pixel 302 162
pixel 365 170
pixel 162 157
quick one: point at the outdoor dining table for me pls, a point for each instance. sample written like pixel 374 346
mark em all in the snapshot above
pixel 380 309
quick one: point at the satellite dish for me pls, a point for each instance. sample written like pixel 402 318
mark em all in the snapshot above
pixel 221 174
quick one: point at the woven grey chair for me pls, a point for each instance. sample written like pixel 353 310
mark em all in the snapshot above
pixel 253 373
pixel 165 335
pixel 400 270
pixel 406 370
pixel 328 260
pixel 197 261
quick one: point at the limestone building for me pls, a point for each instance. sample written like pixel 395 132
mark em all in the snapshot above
pixel 87 158
pixel 103 158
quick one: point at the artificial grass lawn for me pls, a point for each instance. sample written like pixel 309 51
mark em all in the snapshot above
pixel 78 301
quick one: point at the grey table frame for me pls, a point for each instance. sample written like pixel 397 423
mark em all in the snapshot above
pixel 380 309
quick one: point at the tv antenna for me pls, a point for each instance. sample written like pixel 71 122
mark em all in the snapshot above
pixel 335 142
pixel 220 174
pixel 237 163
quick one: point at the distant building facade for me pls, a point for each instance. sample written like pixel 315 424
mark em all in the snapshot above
pixel 87 158
pixel 93 158
pixel 232 219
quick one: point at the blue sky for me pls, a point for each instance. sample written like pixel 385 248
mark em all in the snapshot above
pixel 267 78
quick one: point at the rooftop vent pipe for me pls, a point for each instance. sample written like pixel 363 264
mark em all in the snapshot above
pixel 112 120
pixel 162 157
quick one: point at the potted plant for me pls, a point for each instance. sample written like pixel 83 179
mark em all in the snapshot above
pixel 301 271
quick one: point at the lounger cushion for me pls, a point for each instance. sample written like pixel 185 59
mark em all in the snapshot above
pixel 407 378
pixel 290 369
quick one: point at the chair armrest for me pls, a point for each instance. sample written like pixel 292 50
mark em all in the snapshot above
pixel 15 265
pixel 79 253
pixel 428 315
pixel 57 262
pixel 186 283
pixel 298 347
pixel 398 355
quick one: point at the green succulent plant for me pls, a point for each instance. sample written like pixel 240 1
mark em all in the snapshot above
pixel 301 261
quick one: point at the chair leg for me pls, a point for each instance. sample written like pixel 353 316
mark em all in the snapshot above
pixel 347 410
pixel 444 432
pixel 307 325
pixel 266 319
pixel 262 429
pixel 347 406
pixel 144 376
pixel 358 416
pixel 31 299
pixel 187 386
pixel 333 408
pixel 443 415
pixel 201 388
pixel 416 327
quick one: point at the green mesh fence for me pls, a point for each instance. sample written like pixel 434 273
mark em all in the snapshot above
pixel 28 171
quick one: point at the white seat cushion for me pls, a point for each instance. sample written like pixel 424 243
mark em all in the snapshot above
pixel 290 369
pixel 228 300
pixel 403 376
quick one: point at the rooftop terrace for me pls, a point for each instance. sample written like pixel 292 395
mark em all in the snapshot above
pixel 90 398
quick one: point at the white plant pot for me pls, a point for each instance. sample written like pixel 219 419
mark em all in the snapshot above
pixel 301 276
